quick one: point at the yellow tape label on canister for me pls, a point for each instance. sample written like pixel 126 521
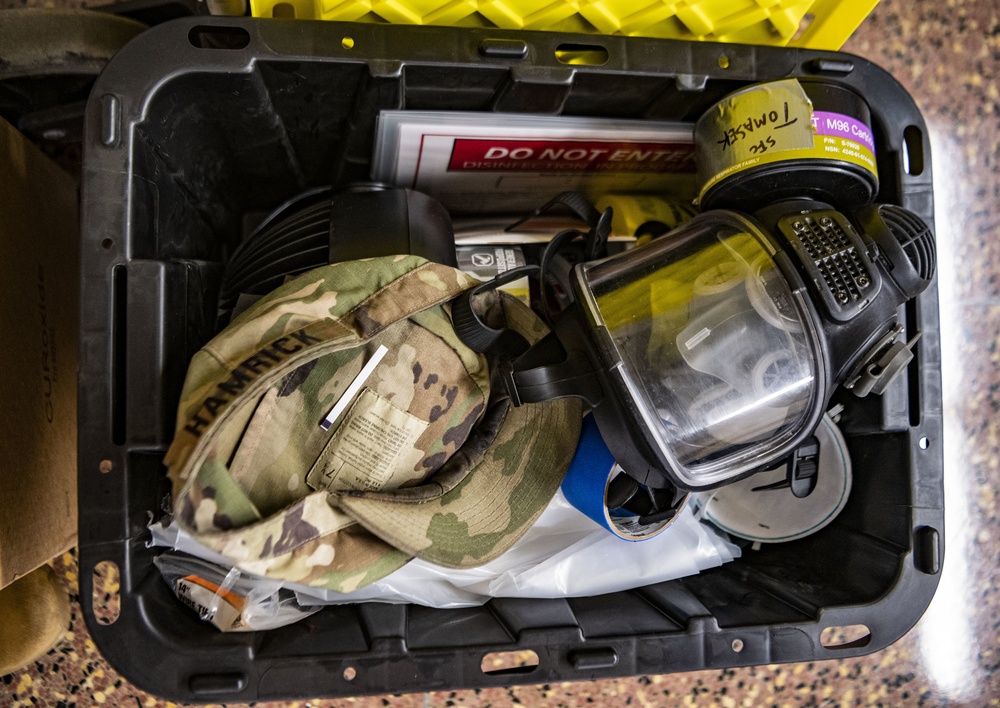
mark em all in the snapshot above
pixel 775 122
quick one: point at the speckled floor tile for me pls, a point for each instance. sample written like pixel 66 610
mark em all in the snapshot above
pixel 947 54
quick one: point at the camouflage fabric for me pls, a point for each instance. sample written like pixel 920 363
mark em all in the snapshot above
pixel 422 456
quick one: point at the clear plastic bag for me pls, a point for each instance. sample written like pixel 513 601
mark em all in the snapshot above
pixel 230 599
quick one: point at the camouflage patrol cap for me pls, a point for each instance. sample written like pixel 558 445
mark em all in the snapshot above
pixel 422 460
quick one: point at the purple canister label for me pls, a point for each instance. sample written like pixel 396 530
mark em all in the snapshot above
pixel 841 126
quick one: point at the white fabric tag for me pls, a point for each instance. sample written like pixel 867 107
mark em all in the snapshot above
pixel 373 449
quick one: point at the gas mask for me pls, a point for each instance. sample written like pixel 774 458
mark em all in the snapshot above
pixel 713 351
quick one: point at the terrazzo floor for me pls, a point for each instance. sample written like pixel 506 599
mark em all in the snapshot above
pixel 947 54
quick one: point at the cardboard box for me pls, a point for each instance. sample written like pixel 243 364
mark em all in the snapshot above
pixel 39 302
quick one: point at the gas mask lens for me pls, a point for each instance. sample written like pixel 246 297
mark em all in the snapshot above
pixel 716 350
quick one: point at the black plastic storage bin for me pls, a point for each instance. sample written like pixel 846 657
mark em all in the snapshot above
pixel 198 123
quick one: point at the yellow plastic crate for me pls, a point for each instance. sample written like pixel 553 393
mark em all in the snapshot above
pixel 818 24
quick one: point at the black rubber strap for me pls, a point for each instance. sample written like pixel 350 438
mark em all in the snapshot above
pixel 599 222
pixel 550 251
pixel 621 490
pixel 574 201
pixel 801 471
pixel 649 504
pixel 479 336
pixel 597 239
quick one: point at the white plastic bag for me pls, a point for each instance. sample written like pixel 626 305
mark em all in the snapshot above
pixel 564 554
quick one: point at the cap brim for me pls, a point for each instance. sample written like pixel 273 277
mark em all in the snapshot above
pixel 499 498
